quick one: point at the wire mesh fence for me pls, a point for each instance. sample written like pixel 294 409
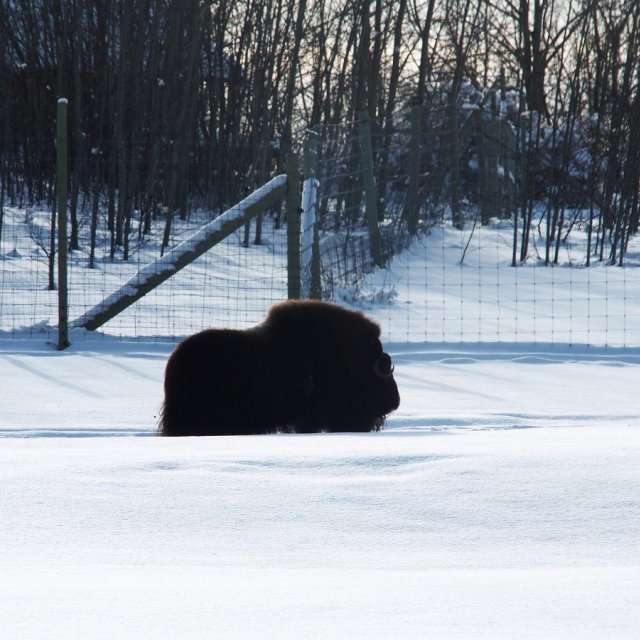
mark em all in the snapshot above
pixel 456 285
pixel 486 233
pixel 492 228
pixel 231 285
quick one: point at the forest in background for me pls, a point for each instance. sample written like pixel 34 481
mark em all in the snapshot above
pixel 181 104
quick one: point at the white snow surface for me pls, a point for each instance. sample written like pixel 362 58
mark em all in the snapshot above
pixel 501 501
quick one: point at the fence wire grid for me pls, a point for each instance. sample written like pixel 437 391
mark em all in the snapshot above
pixel 476 245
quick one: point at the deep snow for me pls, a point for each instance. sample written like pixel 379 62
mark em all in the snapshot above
pixel 501 501
pixel 492 534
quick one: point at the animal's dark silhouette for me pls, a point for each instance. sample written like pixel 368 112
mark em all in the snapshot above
pixel 309 366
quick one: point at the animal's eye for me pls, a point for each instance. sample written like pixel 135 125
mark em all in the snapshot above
pixel 383 367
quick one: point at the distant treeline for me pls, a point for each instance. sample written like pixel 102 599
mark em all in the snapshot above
pixel 179 102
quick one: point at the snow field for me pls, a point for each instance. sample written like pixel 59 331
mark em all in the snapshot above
pixel 500 501
pixel 502 533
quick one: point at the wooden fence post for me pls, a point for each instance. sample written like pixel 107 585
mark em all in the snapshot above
pixel 61 179
pixel 366 154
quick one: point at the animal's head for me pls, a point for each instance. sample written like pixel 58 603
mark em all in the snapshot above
pixel 373 389
pixel 352 377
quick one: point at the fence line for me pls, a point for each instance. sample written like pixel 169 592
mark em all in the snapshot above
pixel 475 244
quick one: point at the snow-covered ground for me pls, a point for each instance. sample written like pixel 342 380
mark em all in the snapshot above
pixel 502 499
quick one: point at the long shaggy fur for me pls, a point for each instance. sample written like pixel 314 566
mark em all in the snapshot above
pixel 309 366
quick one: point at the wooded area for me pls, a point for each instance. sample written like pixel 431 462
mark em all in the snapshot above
pixel 181 104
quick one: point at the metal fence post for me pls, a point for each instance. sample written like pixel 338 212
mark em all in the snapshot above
pixel 61 175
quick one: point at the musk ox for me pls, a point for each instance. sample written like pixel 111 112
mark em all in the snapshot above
pixel 309 366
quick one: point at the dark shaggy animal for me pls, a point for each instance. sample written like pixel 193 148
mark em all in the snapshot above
pixel 310 366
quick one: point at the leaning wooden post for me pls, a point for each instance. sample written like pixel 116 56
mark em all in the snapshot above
pixel 156 272
pixel 366 153
pixel 414 166
pixel 293 226
pixel 61 177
